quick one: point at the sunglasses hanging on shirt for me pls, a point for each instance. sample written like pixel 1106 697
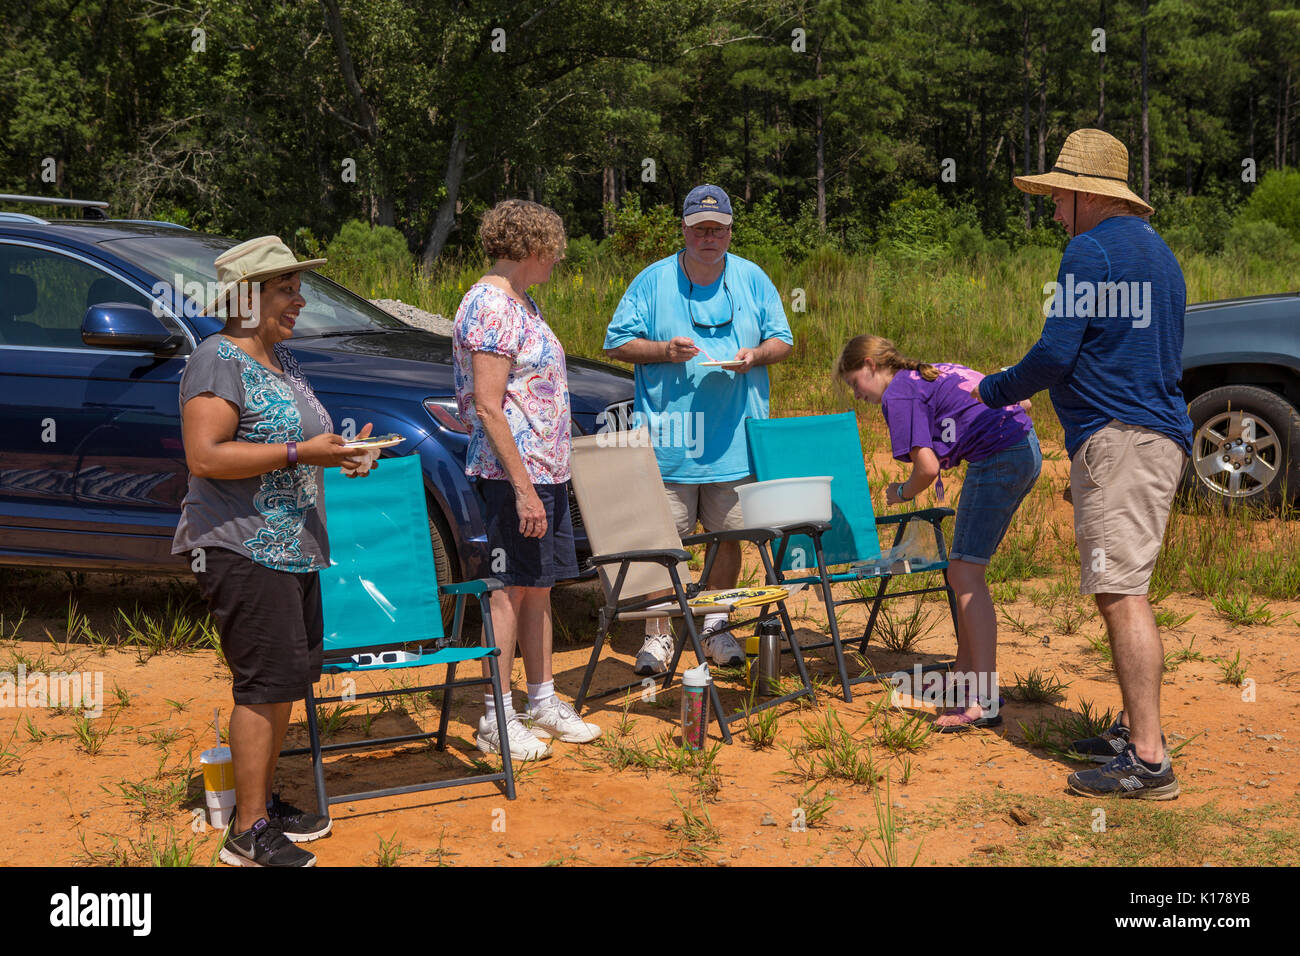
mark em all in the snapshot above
pixel 691 290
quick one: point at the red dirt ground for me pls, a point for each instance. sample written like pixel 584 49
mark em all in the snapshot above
pixel 63 805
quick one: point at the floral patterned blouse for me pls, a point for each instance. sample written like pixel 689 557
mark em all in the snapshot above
pixel 536 401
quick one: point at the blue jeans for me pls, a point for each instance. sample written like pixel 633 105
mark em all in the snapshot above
pixel 990 495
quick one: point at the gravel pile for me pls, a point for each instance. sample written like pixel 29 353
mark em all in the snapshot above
pixel 416 318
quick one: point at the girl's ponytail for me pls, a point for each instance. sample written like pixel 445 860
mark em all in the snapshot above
pixel 883 353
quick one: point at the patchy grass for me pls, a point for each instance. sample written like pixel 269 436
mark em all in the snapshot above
pixel 881 848
pixel 1015 622
pixel 1037 687
pixel 1070 621
pixel 1236 609
pixel 828 749
pixel 1169 620
pixel 1184 654
pixel 153 849
pixel 91 737
pixel 164 792
pixel 1099 644
pixel 1071 832
pixel 761 728
pixel 904 734
pixel 10 762
pixel 697 836
pixel 901 631
pixel 1056 734
pixel 1234 670
pixel 814 806
pixel 390 851
pixel 182 625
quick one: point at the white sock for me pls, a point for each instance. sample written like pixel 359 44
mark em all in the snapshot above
pixel 716 620
pixel 655 626
pixel 538 694
pixel 507 705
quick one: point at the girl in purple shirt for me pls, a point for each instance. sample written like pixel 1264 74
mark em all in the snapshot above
pixel 935 423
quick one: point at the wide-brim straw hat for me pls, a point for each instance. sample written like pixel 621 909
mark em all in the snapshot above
pixel 1091 161
pixel 262 258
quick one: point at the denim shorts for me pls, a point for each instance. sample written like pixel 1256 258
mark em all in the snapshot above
pixel 523 562
pixel 990 495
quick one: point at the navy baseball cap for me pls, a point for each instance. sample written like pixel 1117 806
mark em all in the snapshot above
pixel 706 204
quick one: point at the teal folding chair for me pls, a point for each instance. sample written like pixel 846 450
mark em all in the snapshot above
pixel 380 599
pixel 830 445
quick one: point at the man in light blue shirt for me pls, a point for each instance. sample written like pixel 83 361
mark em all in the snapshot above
pixel 699 327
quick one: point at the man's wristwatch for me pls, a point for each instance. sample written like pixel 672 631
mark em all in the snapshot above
pixel 292 447
pixel 898 490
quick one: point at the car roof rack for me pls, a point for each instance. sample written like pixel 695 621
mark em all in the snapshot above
pixel 90 208
pixel 155 222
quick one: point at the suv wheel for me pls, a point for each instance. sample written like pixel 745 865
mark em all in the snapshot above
pixel 440 537
pixel 1243 445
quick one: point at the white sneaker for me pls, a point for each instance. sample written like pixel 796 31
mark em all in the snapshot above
pixel 654 656
pixel 555 718
pixel 524 744
pixel 723 649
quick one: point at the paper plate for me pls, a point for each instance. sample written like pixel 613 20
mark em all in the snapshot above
pixel 732 363
pixel 377 441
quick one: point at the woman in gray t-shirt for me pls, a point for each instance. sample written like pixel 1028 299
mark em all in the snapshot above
pixel 256 441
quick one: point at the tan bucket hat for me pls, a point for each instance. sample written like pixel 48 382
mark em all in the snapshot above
pixel 262 258
pixel 1091 161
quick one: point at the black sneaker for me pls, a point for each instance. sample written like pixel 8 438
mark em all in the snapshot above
pixel 1126 776
pixel 1106 747
pixel 263 845
pixel 298 825
pixel 1109 745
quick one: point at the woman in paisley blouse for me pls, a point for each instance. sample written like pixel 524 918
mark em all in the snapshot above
pixel 513 391
pixel 256 440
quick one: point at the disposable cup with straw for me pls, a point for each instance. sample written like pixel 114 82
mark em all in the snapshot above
pixel 218 778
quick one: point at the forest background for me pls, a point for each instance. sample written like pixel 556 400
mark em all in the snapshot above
pixel 864 127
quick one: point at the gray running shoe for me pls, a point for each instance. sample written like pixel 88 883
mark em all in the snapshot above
pixel 1126 776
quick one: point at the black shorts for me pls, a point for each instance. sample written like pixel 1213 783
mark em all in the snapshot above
pixel 271 626
pixel 522 562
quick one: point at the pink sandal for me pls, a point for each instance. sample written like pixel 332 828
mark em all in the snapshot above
pixel 966 722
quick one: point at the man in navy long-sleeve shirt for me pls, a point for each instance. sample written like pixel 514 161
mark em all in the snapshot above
pixel 1111 358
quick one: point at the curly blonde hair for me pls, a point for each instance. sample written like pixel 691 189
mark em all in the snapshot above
pixel 514 229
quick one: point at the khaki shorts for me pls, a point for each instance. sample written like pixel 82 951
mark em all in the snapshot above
pixel 715 505
pixel 1123 480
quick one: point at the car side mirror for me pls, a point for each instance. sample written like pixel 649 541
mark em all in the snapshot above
pixel 120 325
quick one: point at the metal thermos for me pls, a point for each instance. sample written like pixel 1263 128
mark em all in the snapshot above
pixel 768 667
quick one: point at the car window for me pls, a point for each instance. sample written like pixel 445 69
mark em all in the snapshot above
pixel 183 263
pixel 44 295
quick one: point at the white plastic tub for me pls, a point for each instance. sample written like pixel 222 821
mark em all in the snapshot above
pixel 785 501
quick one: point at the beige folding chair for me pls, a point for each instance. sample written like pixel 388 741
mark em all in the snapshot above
pixel 630 524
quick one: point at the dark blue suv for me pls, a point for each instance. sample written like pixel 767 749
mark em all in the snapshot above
pixel 97 318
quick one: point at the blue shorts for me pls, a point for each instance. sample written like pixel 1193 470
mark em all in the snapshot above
pixel 517 561
pixel 990 495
